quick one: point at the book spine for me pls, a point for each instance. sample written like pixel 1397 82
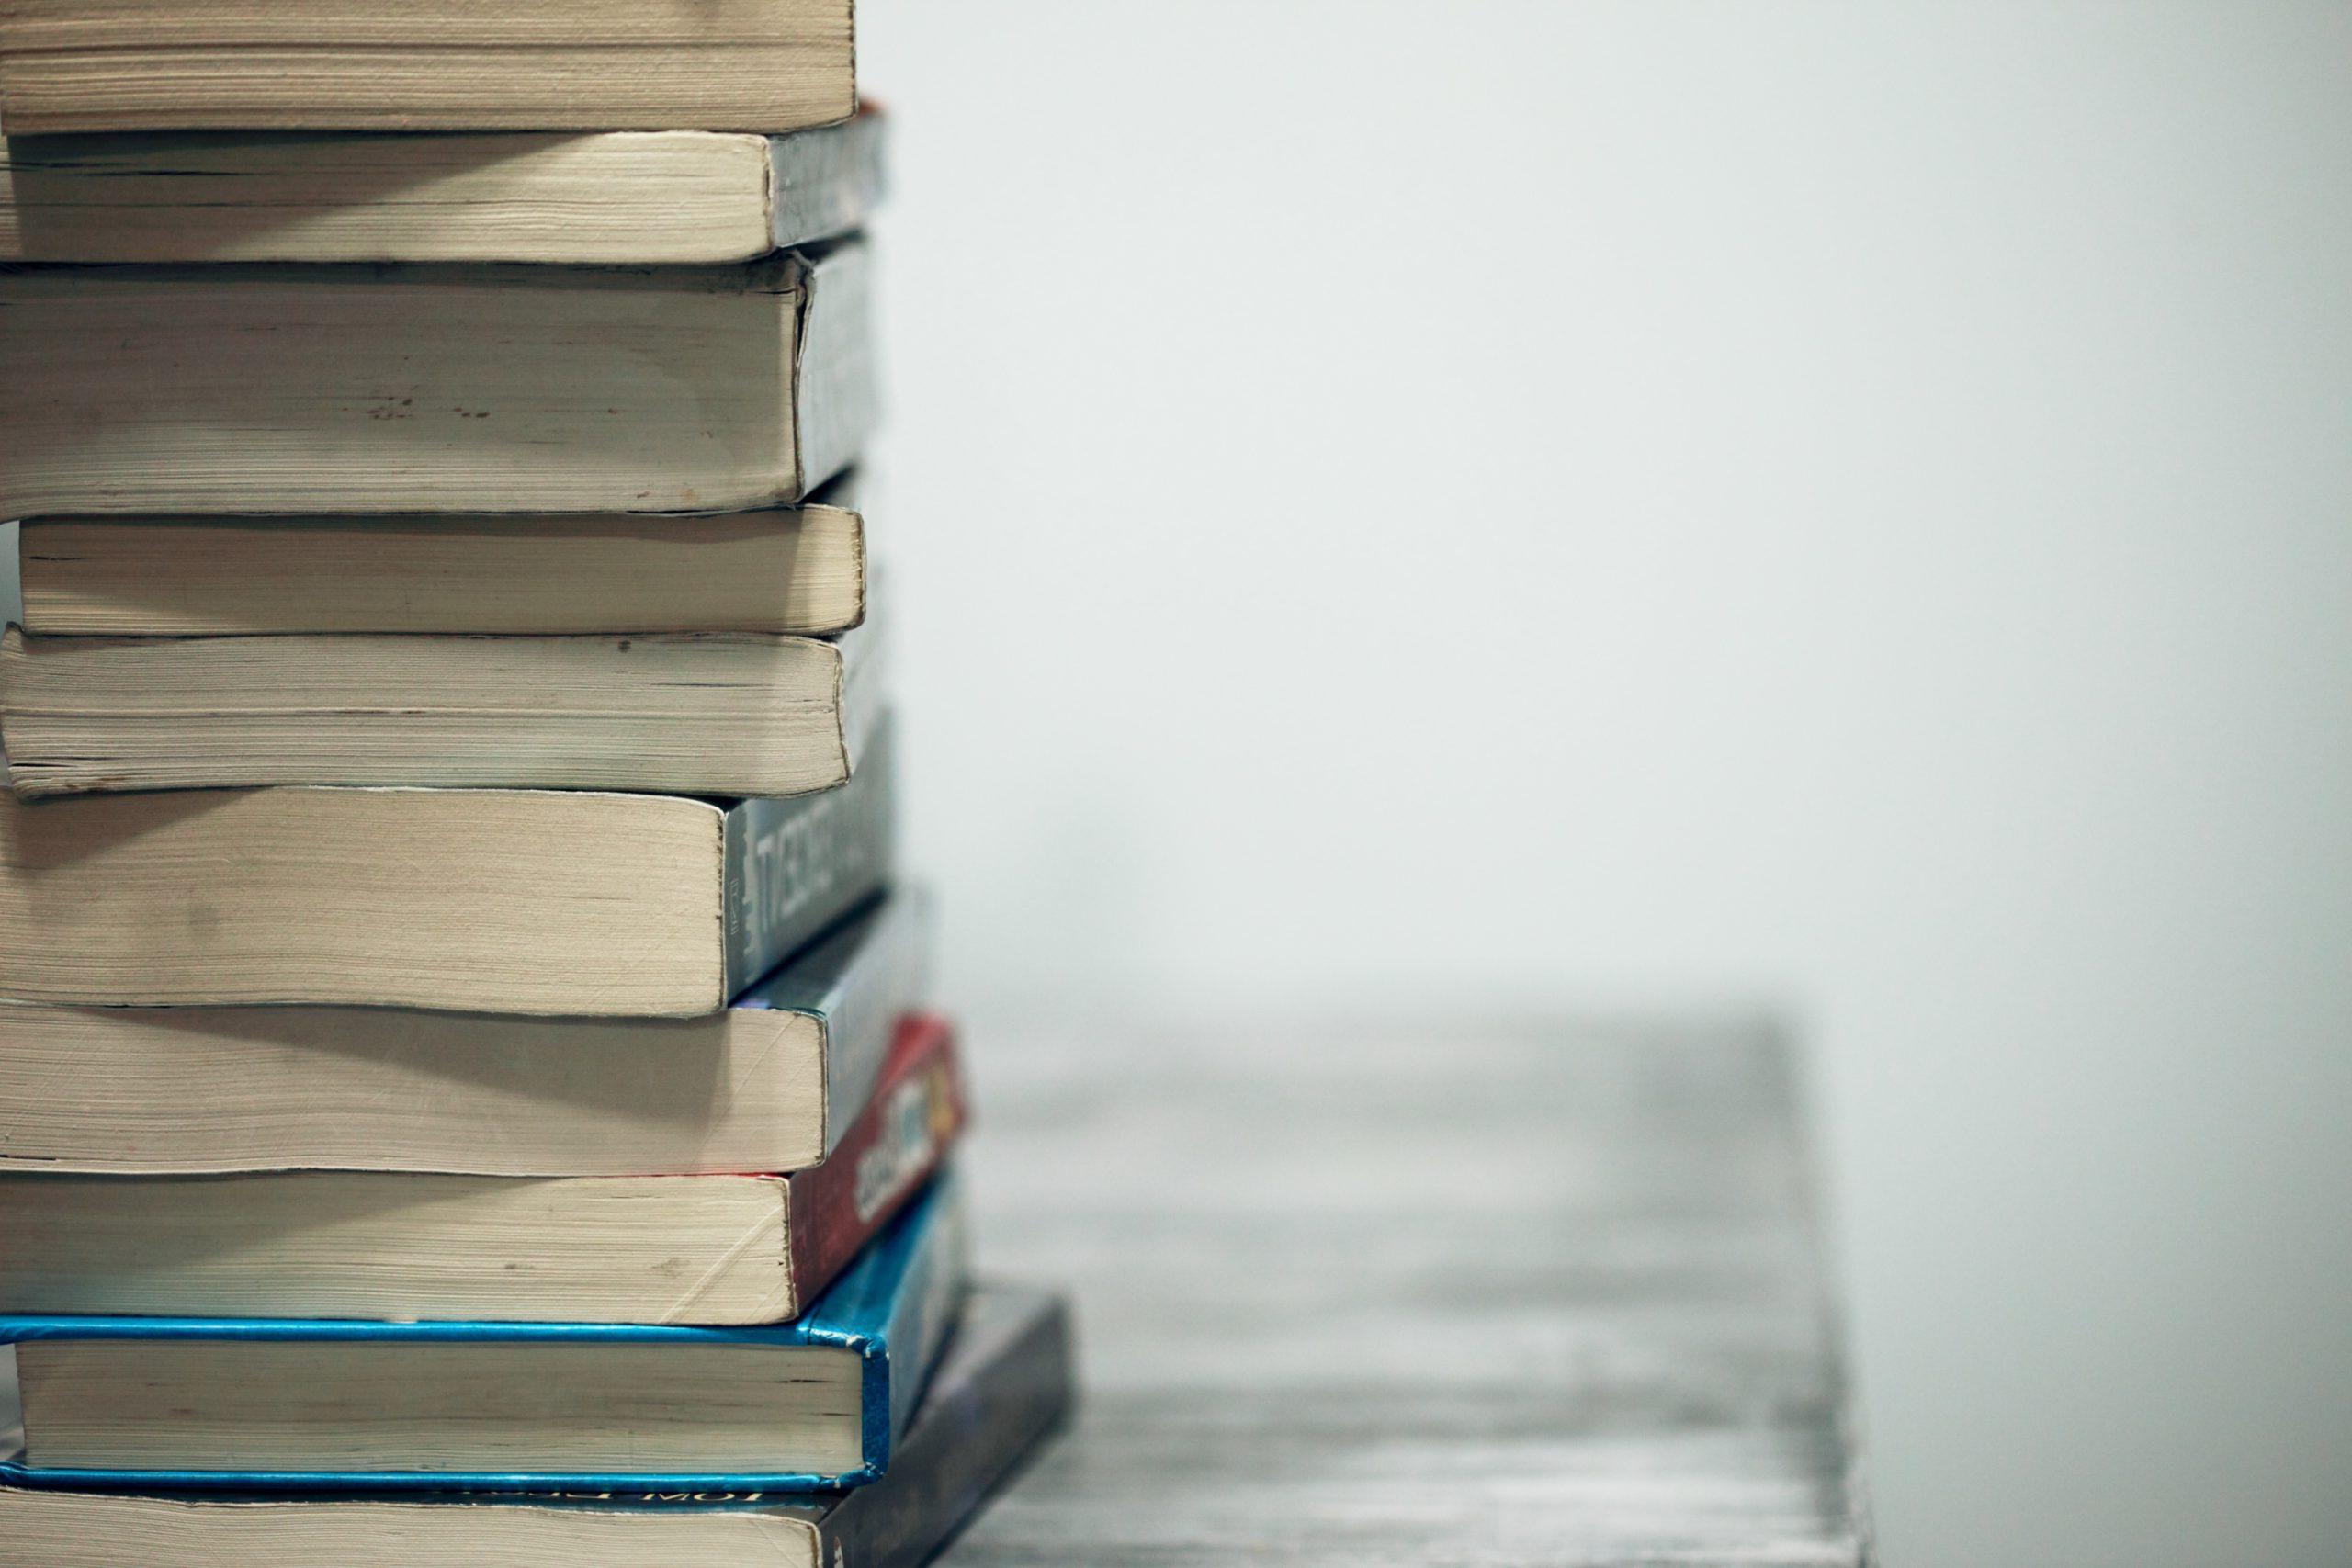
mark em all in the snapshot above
pixel 821 184
pixel 929 1291
pixel 916 1111
pixel 793 867
pixel 972 1431
pixel 834 400
pixel 864 1010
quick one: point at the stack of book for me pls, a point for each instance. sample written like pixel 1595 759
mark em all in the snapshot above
pixel 466 1095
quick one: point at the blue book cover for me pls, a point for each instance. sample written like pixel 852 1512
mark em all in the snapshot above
pixel 1003 1387
pixel 892 1309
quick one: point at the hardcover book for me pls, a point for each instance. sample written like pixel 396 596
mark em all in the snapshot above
pixel 282 1403
pixel 513 901
pixel 1003 1384
pixel 696 1249
pixel 627 196
pixel 787 571
pixel 695 713
pixel 299 389
pixel 771 1084
pixel 769 65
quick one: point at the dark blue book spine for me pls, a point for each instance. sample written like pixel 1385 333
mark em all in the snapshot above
pixel 795 866
pixel 1007 1383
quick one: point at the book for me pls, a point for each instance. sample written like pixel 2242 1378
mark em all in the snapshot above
pixel 788 572
pixel 698 1249
pixel 1003 1387
pixel 672 713
pixel 429 388
pixel 771 1084
pixel 515 901
pixel 337 1407
pixel 629 196
pixel 769 65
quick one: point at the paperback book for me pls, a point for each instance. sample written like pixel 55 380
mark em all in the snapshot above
pixel 771 1084
pixel 787 572
pixel 769 65
pixel 537 902
pixel 633 198
pixel 701 713
pixel 1004 1384
pixel 251 387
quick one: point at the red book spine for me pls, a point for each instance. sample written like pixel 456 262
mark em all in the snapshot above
pixel 887 1154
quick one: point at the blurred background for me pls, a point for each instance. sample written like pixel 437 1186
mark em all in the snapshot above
pixel 1459 507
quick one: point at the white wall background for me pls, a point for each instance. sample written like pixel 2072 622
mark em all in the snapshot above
pixel 1467 503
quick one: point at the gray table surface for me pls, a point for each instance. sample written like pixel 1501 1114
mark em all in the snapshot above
pixel 1539 1294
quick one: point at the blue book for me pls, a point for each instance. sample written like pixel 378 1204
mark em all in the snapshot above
pixel 1003 1387
pixel 305 1405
